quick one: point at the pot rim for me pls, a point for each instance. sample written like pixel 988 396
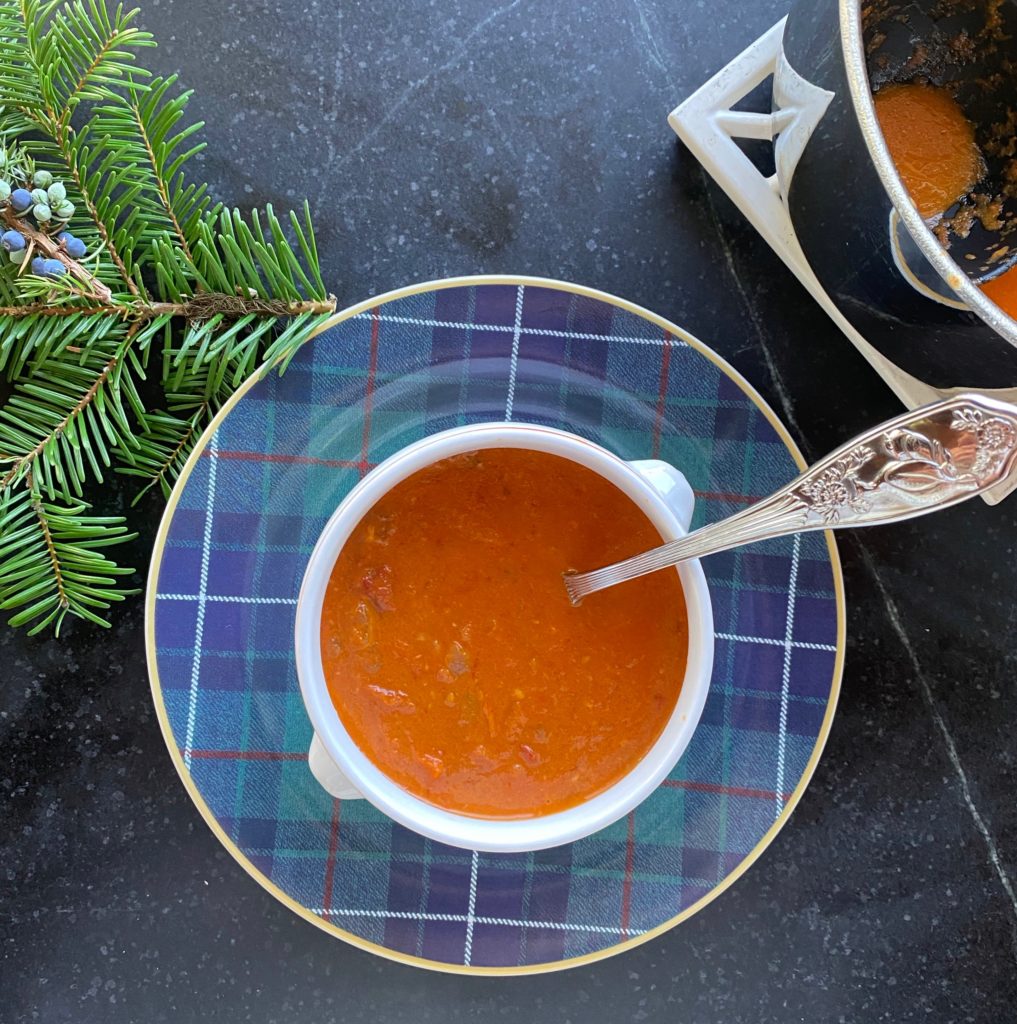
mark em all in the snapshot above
pixel 853 46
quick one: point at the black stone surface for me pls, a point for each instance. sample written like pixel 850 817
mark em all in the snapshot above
pixel 459 137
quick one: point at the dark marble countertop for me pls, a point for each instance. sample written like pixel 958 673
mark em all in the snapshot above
pixel 451 138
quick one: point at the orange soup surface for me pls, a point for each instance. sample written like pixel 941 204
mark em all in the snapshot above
pixel 454 658
pixel 931 142
pixel 1003 291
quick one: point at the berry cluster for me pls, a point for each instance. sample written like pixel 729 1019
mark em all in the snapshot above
pixel 46 201
pixel 14 244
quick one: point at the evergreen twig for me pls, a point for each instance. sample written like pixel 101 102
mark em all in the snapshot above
pixel 214 293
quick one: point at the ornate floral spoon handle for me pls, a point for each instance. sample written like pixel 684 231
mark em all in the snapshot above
pixel 924 460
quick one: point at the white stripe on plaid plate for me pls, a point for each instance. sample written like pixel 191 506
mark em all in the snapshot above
pixel 470 918
pixel 785 686
pixel 514 359
pixel 544 332
pixel 411 915
pixel 804 645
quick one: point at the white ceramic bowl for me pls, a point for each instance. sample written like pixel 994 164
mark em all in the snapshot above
pixel 344 770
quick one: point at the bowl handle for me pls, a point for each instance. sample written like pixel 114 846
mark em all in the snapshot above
pixel 325 770
pixel 671 486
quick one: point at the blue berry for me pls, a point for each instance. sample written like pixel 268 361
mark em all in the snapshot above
pixel 74 247
pixel 41 212
pixel 53 268
pixel 42 179
pixel 21 199
pixel 12 241
pixel 38 265
pixel 56 192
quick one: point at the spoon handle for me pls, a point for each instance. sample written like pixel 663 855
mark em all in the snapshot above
pixel 923 460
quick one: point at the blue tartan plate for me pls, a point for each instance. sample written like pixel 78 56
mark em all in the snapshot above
pixel 249 506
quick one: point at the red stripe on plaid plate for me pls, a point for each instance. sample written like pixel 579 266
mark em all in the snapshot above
pixel 301 460
pixel 736 499
pixel 333 849
pixel 713 787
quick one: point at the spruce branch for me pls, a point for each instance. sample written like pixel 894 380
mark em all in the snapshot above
pixel 21 464
pixel 79 413
pixel 32 309
pixel 51 560
pixel 100 203
pixel 47 536
pixel 199 307
pixel 155 148
pixel 27 344
pixel 115 265
pixel 77 52
pixel 89 39
pixel 165 445
pixel 203 306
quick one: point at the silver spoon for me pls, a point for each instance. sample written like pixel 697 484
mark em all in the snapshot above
pixel 926 459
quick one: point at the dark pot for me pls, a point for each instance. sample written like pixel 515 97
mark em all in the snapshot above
pixel 866 242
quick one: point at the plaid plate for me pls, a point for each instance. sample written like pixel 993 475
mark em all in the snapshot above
pixel 253 506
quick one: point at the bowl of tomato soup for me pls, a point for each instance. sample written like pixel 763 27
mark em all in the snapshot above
pixel 449 680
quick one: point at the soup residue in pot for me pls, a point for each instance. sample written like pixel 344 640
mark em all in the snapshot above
pixel 931 142
pixel 933 147
pixel 454 658
pixel 1003 291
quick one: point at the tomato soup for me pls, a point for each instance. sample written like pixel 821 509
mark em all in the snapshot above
pixel 931 142
pixel 1003 291
pixel 454 658
pixel 933 146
